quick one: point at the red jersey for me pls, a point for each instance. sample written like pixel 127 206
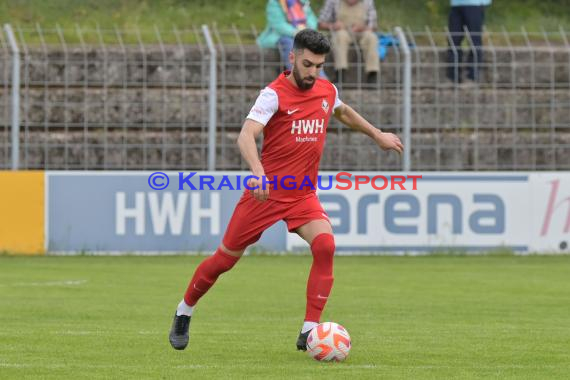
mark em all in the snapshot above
pixel 294 135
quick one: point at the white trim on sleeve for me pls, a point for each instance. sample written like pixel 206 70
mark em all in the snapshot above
pixel 265 106
pixel 337 101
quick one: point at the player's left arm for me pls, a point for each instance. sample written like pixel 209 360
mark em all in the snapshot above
pixel 349 117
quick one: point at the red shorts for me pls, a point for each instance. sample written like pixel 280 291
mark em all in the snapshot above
pixel 251 217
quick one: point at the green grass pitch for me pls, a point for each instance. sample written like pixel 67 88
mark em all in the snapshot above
pixel 409 318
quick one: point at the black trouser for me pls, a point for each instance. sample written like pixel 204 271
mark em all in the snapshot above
pixel 470 17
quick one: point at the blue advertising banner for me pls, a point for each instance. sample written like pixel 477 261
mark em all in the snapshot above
pixel 150 212
pixel 121 212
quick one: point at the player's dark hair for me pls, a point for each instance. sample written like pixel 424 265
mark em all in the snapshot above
pixel 310 39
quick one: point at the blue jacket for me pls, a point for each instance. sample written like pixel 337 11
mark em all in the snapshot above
pixel 278 25
pixel 459 3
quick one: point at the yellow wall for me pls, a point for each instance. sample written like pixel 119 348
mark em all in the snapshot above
pixel 22 212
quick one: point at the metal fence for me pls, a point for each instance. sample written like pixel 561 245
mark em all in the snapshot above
pixel 93 99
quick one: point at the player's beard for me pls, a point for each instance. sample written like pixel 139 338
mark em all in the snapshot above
pixel 303 83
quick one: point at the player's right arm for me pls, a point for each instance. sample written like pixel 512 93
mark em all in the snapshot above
pixel 262 111
pixel 248 148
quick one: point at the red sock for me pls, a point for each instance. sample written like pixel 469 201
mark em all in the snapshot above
pixel 321 277
pixel 206 274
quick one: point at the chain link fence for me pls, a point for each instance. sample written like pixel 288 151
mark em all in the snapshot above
pixel 93 99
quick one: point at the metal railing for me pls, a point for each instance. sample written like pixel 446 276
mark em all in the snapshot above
pixel 93 99
pixel 15 120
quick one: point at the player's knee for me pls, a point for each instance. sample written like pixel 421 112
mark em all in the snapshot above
pixel 323 247
pixel 225 261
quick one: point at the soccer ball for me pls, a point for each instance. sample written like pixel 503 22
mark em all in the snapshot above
pixel 328 341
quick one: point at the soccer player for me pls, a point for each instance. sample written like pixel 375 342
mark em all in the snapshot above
pixel 293 113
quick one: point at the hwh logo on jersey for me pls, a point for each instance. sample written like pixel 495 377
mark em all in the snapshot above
pixel 308 126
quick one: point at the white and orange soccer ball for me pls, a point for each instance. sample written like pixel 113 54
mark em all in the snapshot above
pixel 328 341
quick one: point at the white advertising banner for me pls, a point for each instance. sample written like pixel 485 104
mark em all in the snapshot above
pixel 370 212
pixel 471 212
pixel 549 212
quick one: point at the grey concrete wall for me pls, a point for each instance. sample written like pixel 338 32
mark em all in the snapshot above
pixel 178 150
pixel 433 109
pixel 95 109
pixel 188 66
